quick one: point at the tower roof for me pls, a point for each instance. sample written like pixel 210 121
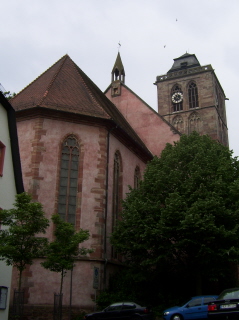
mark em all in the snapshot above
pixel 118 64
pixel 187 60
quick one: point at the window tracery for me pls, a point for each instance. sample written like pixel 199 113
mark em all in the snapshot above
pixel 67 197
pixel 178 123
pixel 194 122
pixel 117 193
pixel 193 95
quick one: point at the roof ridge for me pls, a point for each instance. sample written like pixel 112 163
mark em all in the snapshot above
pixel 54 77
pixel 87 87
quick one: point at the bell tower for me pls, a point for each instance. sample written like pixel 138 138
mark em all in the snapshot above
pixel 117 77
pixel 191 98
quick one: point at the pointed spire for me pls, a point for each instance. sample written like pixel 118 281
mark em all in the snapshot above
pixel 118 73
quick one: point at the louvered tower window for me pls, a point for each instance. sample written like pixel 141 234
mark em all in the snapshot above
pixel 193 95
pixel 68 179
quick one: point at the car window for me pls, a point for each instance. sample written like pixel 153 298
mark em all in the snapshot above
pixel 195 302
pixel 127 306
pixel 114 307
pixel 232 294
pixel 207 300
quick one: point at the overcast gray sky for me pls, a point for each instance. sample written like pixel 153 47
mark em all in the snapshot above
pixel 36 33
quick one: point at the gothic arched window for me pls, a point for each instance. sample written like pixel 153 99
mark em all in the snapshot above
pixel 194 122
pixel 178 123
pixel 177 98
pixel 117 193
pixel 193 95
pixel 67 197
pixel 116 186
pixel 136 177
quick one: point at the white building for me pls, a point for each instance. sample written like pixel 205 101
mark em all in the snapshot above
pixel 10 185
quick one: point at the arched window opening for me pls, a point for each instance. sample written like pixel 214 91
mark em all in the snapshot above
pixel 194 122
pixel 116 187
pixel 137 177
pixel 117 193
pixel 116 74
pixel 193 95
pixel 67 198
pixel 178 123
pixel 177 98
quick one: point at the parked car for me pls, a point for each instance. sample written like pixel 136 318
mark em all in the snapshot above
pixel 226 306
pixel 122 310
pixel 196 308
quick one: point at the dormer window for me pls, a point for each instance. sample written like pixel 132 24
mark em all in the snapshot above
pixel 184 64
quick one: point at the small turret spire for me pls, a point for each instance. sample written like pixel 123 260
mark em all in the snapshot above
pixel 118 73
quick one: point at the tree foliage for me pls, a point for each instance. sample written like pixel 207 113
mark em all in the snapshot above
pixel 64 250
pixel 19 243
pixel 185 214
pixel 9 95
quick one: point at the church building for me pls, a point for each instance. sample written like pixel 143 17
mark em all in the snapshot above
pixel 81 148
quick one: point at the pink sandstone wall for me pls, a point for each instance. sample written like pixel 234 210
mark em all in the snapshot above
pixel 150 127
pixel 40 143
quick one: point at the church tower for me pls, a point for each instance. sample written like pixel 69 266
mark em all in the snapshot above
pixel 191 98
pixel 117 76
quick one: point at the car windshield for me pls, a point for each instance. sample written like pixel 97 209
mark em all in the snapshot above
pixel 229 294
pixel 114 307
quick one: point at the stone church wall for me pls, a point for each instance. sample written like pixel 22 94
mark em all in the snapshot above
pixel 40 142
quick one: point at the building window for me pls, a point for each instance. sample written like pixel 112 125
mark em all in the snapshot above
pixel 2 156
pixel 178 123
pixel 117 193
pixel 67 199
pixel 136 177
pixel 177 91
pixel 193 95
pixel 116 187
pixel 194 122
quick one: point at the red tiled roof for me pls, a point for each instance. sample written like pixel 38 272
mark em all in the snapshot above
pixel 64 86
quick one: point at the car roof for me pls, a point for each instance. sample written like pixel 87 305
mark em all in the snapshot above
pixel 123 302
pixel 205 296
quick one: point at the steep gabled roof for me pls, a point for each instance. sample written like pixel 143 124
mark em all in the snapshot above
pixel 65 87
pixel 14 143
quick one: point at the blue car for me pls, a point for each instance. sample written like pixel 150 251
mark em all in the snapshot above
pixel 196 308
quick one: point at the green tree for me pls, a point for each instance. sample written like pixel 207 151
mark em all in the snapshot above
pixel 9 95
pixel 184 217
pixel 64 250
pixel 19 243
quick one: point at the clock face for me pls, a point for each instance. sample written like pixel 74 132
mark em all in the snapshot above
pixel 177 97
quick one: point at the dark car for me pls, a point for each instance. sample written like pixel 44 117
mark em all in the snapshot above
pixel 122 310
pixel 226 306
pixel 196 308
